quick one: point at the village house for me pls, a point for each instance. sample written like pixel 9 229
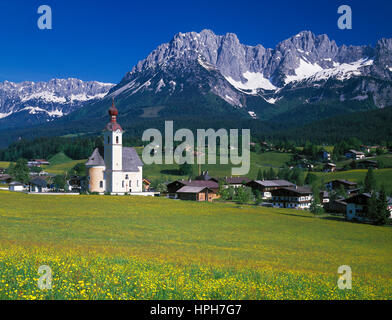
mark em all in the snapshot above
pixel 356 155
pixel 38 185
pixel 293 197
pixel 366 164
pixel 350 186
pixel 336 206
pixel 267 186
pixel 174 186
pixel 37 162
pixel 206 177
pixel 329 167
pixel 146 184
pixel 16 186
pixel 5 178
pixel 235 182
pixel 324 197
pixel 323 155
pixel 357 207
pixel 120 171
pixel 196 193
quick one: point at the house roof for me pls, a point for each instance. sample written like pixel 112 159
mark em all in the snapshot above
pixel 355 152
pixel 16 183
pixel 274 183
pixel 198 183
pixel 39 182
pixel 191 189
pixel 351 183
pixel 330 164
pixel 130 160
pixel 204 176
pixel 4 177
pixel 95 159
pixel 299 190
pixel 236 180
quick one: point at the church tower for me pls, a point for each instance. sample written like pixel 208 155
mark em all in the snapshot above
pixel 113 153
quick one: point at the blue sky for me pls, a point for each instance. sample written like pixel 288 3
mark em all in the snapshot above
pixel 102 40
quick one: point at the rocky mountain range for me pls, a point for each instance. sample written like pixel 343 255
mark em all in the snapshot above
pixel 36 102
pixel 201 76
pixel 307 74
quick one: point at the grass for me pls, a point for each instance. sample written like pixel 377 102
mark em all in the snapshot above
pixel 257 161
pixel 59 158
pixel 4 164
pixel 62 168
pixel 113 247
pixel 383 176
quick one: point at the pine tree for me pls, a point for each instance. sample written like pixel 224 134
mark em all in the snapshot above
pixel 271 174
pixel 382 207
pixel 260 175
pixel 370 182
pixel 372 208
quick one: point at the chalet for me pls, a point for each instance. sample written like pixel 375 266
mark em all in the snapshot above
pixel 357 206
pixel 236 182
pixel 347 185
pixel 38 185
pixel 174 186
pixel 329 167
pixel 37 162
pixel 5 178
pixel 366 164
pixel 356 155
pixel 267 186
pixel 16 186
pixel 293 197
pixel 196 193
pixel 306 165
pixel 323 156
pixel 206 177
pixel 324 197
pixel 336 206
pixel 75 183
pixel 146 184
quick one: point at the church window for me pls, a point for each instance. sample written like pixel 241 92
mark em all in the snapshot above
pixel 117 139
pixel 123 183
pixel 126 177
pixel 101 184
pixel 108 139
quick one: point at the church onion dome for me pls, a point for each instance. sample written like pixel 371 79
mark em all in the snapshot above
pixel 113 125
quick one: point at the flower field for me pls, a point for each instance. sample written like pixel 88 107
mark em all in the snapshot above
pixel 108 247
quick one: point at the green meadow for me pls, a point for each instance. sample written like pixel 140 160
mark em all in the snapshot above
pixel 123 247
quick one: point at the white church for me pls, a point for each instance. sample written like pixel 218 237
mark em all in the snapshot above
pixel 120 171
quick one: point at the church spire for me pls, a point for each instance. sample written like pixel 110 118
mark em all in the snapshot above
pixel 113 125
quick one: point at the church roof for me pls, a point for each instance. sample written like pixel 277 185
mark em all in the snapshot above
pixel 95 159
pixel 130 160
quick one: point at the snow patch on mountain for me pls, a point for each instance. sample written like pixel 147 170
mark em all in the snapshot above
pixel 305 70
pixel 254 81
